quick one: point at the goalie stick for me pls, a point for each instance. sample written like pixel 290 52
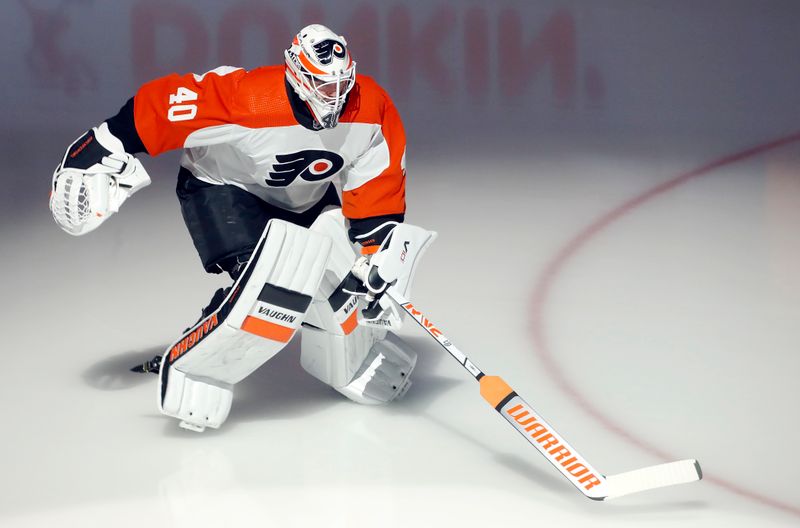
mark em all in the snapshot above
pixel 547 441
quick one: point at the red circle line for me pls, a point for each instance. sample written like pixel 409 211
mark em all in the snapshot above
pixel 557 264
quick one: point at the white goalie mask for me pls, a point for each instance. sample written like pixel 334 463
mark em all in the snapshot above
pixel 321 71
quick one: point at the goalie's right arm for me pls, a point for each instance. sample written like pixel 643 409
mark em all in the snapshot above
pixel 97 173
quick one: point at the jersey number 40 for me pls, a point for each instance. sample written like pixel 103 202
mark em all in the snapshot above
pixel 178 111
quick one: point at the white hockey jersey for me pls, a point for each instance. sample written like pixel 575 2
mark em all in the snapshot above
pixel 238 128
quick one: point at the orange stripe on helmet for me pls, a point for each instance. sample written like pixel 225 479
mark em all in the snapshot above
pixel 268 330
pixel 301 81
pixel 308 65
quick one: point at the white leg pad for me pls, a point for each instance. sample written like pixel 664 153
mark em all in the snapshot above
pixel 359 361
pixel 261 313
pixel 332 309
pixel 385 373
pixel 197 403
pixel 368 365
pixel 334 358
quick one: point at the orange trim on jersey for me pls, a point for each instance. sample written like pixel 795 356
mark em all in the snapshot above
pixel 370 250
pixel 384 194
pixel 351 323
pixel 272 331
pixel 258 99
pixel 366 102
pixel 309 66
pixel 255 99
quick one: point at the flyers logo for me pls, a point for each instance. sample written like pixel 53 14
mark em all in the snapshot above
pixel 309 165
pixel 327 49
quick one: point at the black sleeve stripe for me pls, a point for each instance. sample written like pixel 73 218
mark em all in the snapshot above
pixel 123 126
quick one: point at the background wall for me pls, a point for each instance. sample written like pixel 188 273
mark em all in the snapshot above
pixel 485 77
pixel 483 73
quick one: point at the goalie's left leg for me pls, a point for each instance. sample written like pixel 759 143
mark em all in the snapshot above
pixel 368 364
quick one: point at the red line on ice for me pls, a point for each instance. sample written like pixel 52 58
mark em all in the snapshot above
pixel 553 269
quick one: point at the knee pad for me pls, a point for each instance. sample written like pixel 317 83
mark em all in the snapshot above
pixel 260 314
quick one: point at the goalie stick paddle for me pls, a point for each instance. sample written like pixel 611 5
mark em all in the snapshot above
pixel 546 440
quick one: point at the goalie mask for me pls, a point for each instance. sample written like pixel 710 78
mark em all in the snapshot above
pixel 322 72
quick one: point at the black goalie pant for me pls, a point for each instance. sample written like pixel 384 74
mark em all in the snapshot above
pixel 226 222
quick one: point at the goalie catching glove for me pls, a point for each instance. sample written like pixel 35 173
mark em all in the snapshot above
pixel 393 265
pixel 93 180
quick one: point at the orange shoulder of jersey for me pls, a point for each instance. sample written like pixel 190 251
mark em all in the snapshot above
pixel 383 194
pixel 169 109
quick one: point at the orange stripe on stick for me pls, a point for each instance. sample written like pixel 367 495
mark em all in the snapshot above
pixel 268 330
pixel 309 66
pixel 494 389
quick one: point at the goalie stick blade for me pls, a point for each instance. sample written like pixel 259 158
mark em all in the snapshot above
pixel 680 472
pixel 587 479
